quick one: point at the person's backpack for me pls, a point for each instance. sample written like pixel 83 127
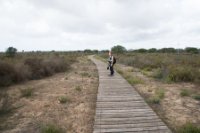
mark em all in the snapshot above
pixel 114 60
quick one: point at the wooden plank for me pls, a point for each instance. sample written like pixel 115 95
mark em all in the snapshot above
pixel 157 128
pixel 134 125
pixel 124 115
pixel 124 108
pixel 117 121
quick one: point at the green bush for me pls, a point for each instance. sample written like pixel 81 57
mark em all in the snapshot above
pixel 154 100
pixel 51 128
pixel 189 128
pixel 197 97
pixel 63 99
pixel 184 92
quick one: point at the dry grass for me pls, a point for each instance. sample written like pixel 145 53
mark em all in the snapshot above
pixel 132 79
pixel 43 112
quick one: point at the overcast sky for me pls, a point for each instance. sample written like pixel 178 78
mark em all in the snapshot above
pixel 98 24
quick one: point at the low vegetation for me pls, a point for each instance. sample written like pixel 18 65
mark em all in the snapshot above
pixel 197 97
pixel 78 88
pixel 169 67
pixel 85 74
pixel 132 79
pixel 184 92
pixel 51 128
pixel 56 104
pixel 159 94
pixel 27 92
pixel 5 106
pixel 189 128
pixel 29 66
pixel 63 99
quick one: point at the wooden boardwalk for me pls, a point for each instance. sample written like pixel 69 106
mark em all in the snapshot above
pixel 121 109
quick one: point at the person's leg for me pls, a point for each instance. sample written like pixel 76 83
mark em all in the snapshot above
pixel 111 70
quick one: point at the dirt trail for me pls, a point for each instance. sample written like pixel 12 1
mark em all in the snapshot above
pixel 79 86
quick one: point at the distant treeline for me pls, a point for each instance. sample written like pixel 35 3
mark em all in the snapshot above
pixel 115 49
pixel 168 50
pixel 121 49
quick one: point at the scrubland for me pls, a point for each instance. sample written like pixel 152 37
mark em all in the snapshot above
pixel 49 92
pixel 169 83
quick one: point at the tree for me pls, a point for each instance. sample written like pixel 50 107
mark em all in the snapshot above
pixel 142 50
pixel 192 50
pixel 11 52
pixel 152 50
pixel 167 50
pixel 118 49
pixel 87 51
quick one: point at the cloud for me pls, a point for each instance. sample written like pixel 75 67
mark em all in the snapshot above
pixel 98 24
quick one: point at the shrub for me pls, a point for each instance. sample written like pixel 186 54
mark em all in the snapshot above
pixel 154 100
pixel 7 74
pixel 181 74
pixel 184 92
pixel 51 128
pixel 189 128
pixel 22 73
pixel 159 94
pixel 78 88
pixel 197 97
pixel 157 73
pixel 37 68
pixel 32 65
pixel 63 99
pixel 27 92
pixel 45 67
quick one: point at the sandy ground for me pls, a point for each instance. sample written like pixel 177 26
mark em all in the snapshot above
pixel 79 86
pixel 174 109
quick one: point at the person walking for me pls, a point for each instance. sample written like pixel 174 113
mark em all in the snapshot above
pixel 111 62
